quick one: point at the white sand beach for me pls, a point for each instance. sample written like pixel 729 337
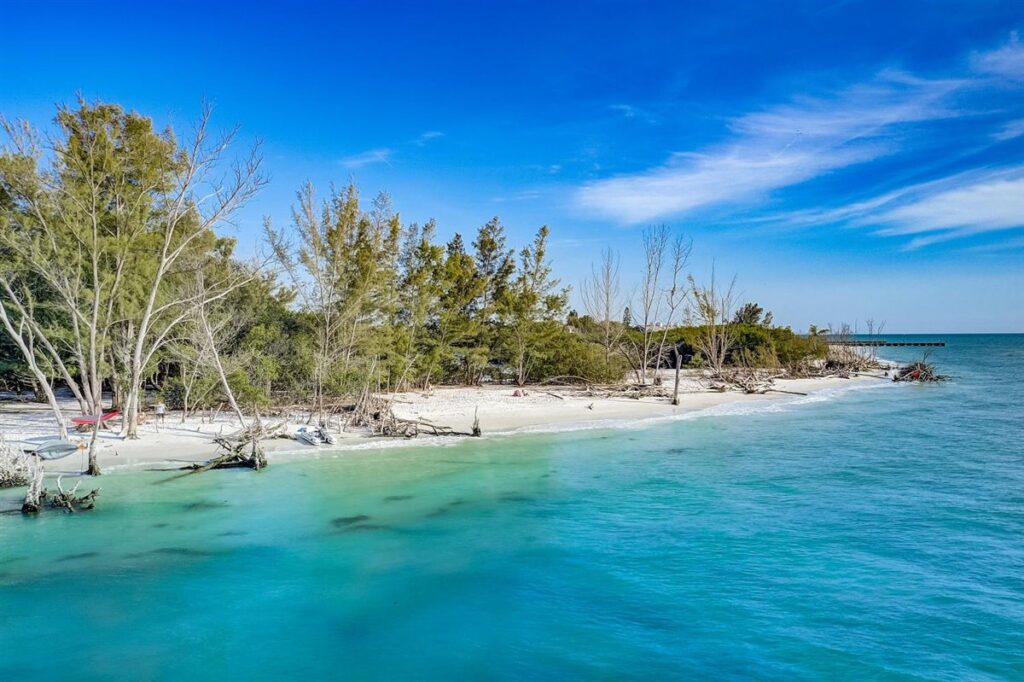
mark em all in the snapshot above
pixel 176 442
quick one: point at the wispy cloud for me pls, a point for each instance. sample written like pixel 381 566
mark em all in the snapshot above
pixel 986 205
pixel 367 158
pixel 426 137
pixel 775 148
pixel 796 141
pixel 635 112
pixel 1005 62
pixel 1012 244
pixel 386 154
pixel 1009 131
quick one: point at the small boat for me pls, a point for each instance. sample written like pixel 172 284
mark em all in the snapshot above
pixel 87 423
pixel 326 436
pixel 56 448
pixel 308 436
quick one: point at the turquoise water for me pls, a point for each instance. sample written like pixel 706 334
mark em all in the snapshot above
pixel 876 534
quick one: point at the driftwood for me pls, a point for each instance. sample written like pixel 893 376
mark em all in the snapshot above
pixel 921 371
pixel 375 413
pixel 242 449
pixel 631 391
pixel 68 500
pixel 748 380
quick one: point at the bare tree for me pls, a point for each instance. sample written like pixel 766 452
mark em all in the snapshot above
pixel 106 229
pixel 602 293
pixel 712 308
pixel 196 202
pixel 661 297
pixel 211 340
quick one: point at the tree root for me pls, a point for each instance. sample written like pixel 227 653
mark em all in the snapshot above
pixel 68 500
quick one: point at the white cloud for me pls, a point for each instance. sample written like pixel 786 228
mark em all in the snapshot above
pixel 1010 130
pixel 1006 62
pixel 983 206
pixel 369 157
pixel 775 148
pixel 426 137
pixel 791 143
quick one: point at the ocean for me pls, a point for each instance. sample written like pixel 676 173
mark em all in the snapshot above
pixel 873 532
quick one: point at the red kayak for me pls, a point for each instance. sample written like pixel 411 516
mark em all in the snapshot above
pixel 89 421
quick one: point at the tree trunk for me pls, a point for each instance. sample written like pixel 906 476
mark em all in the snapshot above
pixel 94 467
pixel 38 373
pixel 675 389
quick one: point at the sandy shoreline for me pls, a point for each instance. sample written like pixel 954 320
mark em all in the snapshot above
pixel 501 412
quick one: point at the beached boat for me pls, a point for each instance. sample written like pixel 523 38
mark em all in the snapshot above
pixel 57 448
pixel 308 436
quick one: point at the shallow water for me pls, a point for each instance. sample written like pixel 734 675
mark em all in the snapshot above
pixel 875 534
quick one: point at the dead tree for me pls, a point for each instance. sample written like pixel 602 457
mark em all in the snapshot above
pixel 712 308
pixel 15 468
pixel 601 294
pixel 661 297
pixel 35 494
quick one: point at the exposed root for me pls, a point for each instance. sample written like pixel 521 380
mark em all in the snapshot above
pixel 68 500
pixel 374 413
pixel 242 449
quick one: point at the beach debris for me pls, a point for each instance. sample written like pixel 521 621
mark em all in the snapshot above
pixel 70 501
pixel 375 413
pixel 14 466
pixel 919 372
pixel 36 497
pixel 242 449
pixel 748 380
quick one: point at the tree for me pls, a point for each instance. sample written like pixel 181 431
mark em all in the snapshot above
pixel 712 308
pixel 530 306
pixel 106 218
pixel 456 326
pixel 601 293
pixel 495 265
pixel 344 267
pixel 661 298
pixel 752 313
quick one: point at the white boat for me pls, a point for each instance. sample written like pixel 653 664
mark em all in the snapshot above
pixel 326 436
pixel 308 436
pixel 57 448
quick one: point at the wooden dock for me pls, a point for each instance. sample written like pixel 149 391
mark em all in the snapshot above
pixel 880 342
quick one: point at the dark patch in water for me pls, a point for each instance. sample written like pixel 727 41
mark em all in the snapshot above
pixel 74 557
pixel 349 520
pixel 397 498
pixel 514 498
pixel 437 512
pixel 159 525
pixel 172 551
pixel 204 504
pixel 365 526
pixel 233 533
pixel 456 503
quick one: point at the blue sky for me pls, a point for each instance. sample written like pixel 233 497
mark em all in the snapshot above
pixel 846 160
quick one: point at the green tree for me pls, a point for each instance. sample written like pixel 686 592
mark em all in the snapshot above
pixel 530 308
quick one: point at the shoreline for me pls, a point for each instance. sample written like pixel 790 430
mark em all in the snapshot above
pixel 174 444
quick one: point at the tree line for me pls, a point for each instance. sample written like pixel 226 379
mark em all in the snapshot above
pixel 116 279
